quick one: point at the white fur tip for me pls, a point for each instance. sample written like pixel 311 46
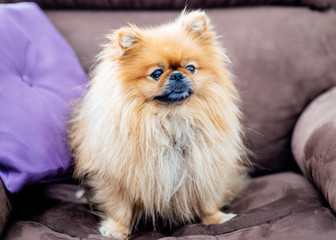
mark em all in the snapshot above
pixel 80 194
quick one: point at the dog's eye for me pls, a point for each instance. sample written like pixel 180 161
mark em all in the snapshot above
pixel 191 68
pixel 156 74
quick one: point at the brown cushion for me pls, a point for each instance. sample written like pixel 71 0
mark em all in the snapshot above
pixel 172 4
pixel 314 144
pixel 279 206
pixel 4 207
pixel 281 64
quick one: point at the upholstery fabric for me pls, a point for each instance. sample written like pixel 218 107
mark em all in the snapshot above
pixel 273 207
pixel 175 4
pixel 314 144
pixel 4 207
pixel 39 75
pixel 279 70
pixel 282 58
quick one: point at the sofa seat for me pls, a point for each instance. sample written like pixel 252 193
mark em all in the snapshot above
pixel 273 207
pixel 283 58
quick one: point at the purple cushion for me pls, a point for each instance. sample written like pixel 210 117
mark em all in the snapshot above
pixel 39 76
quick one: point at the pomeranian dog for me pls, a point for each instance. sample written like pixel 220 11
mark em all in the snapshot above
pixel 158 132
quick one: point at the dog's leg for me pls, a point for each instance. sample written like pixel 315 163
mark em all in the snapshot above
pixel 118 212
pixel 109 227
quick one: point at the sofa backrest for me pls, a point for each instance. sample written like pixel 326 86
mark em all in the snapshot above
pixel 170 4
pixel 282 58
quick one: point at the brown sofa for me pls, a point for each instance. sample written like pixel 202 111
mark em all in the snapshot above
pixel 284 59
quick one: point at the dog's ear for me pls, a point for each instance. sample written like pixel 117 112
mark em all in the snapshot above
pixel 126 36
pixel 120 41
pixel 196 23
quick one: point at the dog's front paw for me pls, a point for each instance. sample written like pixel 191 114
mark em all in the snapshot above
pixel 226 217
pixel 111 228
pixel 217 217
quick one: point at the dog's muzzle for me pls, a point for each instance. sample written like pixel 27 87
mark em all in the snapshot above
pixel 178 89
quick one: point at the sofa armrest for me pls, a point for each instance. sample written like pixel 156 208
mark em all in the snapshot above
pixel 4 207
pixel 314 144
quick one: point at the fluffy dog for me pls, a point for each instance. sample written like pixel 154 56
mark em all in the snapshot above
pixel 158 132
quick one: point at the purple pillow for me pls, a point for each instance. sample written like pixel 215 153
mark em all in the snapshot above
pixel 39 77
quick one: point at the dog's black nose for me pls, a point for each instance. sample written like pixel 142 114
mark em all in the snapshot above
pixel 176 77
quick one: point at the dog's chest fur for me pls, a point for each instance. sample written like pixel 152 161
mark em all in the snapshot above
pixel 179 158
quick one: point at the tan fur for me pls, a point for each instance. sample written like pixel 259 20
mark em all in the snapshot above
pixel 139 155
